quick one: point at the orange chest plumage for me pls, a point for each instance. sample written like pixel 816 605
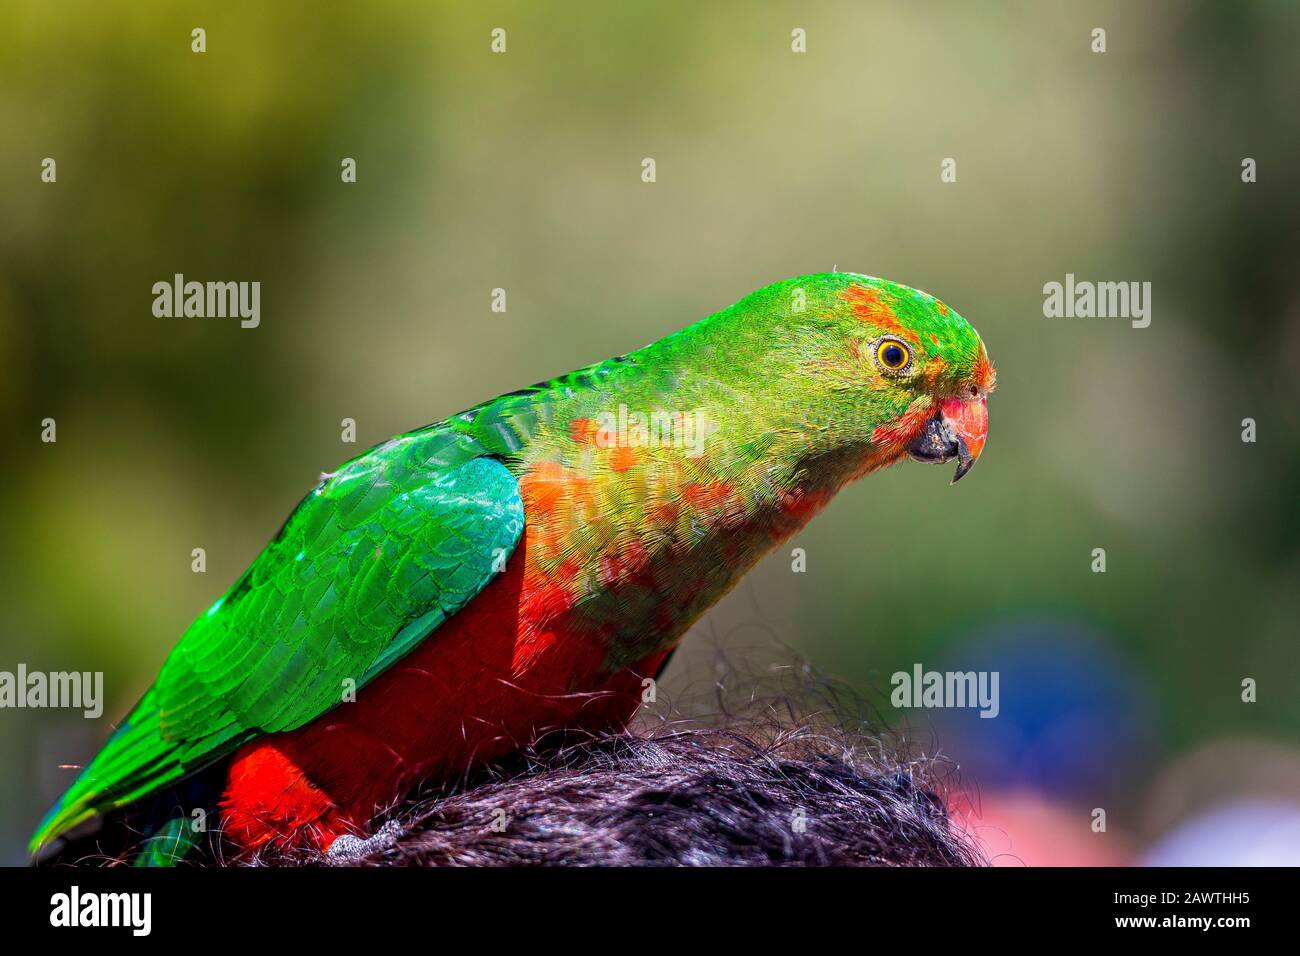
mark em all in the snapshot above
pixel 585 611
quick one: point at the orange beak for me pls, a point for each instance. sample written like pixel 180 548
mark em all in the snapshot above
pixel 957 430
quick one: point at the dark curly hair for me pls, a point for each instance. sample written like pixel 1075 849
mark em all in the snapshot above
pixel 794 776
pixel 693 798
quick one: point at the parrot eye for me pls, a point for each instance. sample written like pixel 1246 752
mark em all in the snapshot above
pixel 892 355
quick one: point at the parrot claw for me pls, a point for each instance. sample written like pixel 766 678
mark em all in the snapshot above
pixel 348 848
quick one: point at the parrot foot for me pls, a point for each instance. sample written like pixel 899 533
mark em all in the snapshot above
pixel 348 848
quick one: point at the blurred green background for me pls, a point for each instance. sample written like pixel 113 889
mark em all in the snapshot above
pixel 522 171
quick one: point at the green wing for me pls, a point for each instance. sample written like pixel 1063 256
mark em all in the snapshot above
pixel 371 561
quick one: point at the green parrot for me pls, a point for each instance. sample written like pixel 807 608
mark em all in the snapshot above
pixel 522 568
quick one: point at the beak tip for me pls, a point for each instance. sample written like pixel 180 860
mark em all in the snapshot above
pixel 956 430
pixel 965 462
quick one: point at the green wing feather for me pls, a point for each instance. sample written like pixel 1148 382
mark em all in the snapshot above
pixel 370 562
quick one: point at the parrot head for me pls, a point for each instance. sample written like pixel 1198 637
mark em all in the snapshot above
pixel 883 371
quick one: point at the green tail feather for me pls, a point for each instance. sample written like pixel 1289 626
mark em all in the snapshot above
pixel 169 845
pixel 135 761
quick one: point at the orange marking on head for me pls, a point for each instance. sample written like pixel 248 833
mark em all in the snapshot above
pixel 986 376
pixel 870 306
